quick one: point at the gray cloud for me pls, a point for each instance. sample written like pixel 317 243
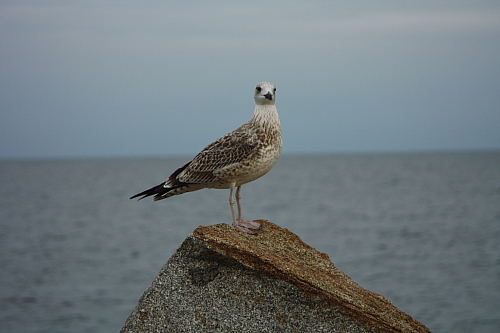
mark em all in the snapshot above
pixel 123 78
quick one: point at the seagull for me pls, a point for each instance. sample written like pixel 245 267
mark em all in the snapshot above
pixel 237 158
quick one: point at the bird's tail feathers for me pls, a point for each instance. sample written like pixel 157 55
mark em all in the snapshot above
pixel 174 187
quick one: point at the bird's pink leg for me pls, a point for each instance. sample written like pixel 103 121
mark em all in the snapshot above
pixel 245 223
pixel 235 221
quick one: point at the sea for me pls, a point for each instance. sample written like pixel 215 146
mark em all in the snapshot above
pixel 421 229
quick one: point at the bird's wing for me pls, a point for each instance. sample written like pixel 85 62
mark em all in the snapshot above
pixel 232 148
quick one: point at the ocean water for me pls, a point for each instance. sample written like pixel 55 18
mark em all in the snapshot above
pixel 421 229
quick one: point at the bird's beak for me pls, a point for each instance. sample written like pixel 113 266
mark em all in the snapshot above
pixel 269 96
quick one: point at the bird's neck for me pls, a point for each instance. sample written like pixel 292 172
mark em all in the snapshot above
pixel 266 116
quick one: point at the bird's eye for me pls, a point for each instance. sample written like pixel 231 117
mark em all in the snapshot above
pixel 258 89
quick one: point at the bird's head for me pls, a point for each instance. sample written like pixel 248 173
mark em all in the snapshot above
pixel 265 93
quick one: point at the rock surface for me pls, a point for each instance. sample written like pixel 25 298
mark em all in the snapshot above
pixel 223 280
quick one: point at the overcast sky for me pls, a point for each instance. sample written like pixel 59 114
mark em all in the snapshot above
pixel 140 78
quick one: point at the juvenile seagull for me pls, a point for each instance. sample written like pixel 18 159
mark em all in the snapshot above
pixel 237 158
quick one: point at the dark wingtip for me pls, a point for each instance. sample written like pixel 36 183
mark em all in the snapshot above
pixel 158 192
pixel 135 196
pixel 152 191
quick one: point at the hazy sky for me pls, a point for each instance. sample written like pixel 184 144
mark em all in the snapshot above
pixel 133 78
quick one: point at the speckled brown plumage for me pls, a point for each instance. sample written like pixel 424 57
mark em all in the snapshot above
pixel 239 157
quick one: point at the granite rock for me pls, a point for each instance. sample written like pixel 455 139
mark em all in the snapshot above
pixel 223 280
